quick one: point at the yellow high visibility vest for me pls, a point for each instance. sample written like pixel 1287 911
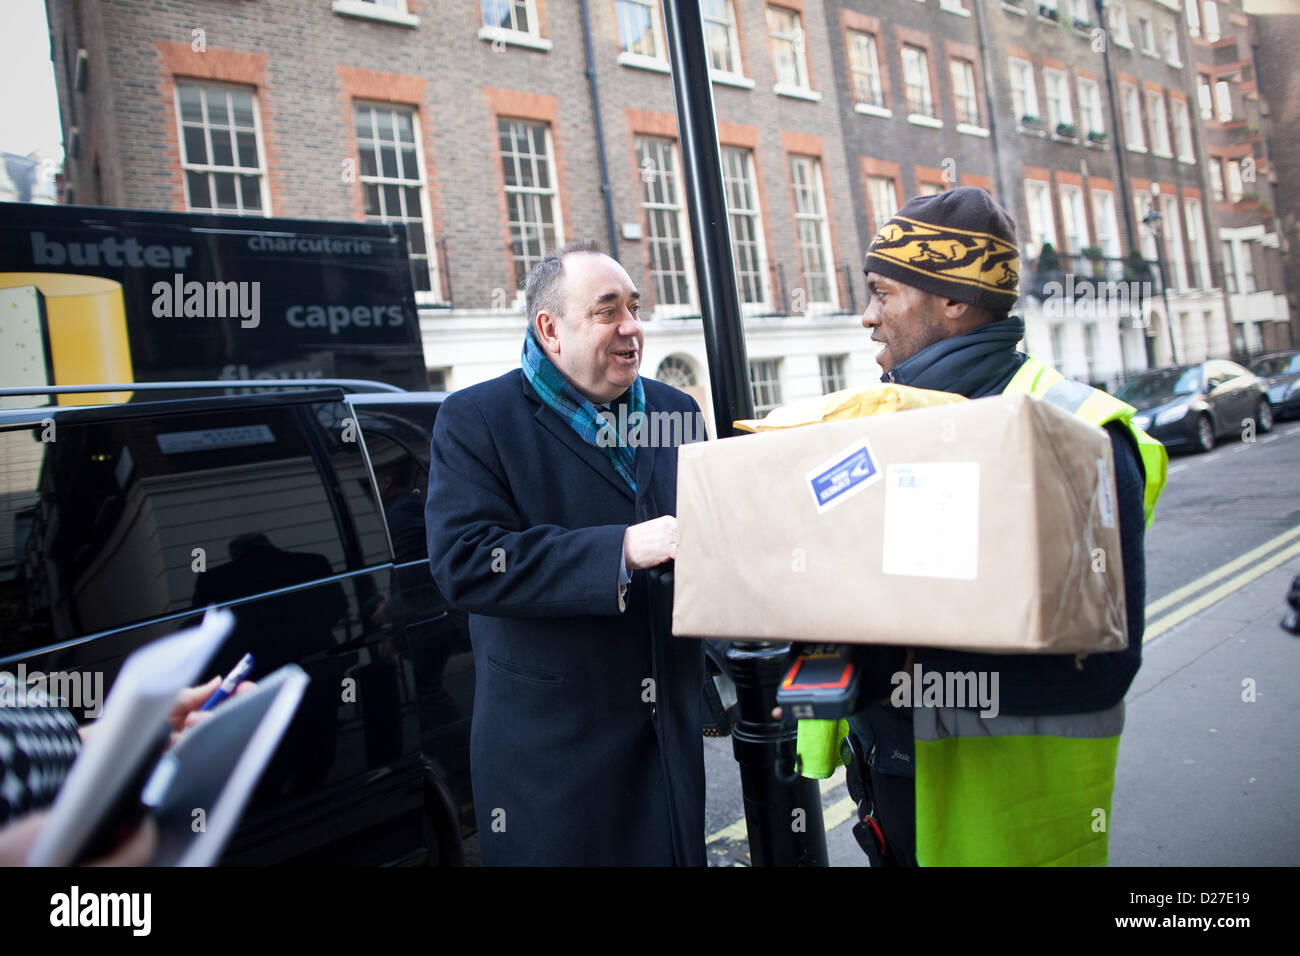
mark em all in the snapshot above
pixel 1096 408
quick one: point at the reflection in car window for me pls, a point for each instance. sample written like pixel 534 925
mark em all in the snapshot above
pixel 119 521
pixel 1278 365
pixel 1174 381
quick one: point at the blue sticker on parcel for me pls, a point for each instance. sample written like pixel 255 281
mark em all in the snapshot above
pixel 843 476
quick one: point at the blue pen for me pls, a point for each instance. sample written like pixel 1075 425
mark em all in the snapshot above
pixel 241 671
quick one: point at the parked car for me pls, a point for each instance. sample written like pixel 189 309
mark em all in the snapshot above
pixel 1190 406
pixel 1281 375
pixel 300 508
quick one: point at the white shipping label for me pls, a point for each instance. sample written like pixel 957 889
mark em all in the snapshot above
pixel 932 519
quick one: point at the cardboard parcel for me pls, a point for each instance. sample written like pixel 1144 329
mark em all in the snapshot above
pixel 986 525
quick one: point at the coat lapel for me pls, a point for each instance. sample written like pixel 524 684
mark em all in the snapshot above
pixel 592 456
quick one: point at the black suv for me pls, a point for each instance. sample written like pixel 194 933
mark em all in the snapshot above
pixel 299 507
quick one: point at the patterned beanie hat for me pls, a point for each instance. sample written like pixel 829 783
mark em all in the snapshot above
pixel 959 244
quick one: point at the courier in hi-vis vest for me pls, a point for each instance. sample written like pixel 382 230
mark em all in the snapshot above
pixel 1027 782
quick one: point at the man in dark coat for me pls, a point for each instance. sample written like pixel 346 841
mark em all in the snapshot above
pixel 543 521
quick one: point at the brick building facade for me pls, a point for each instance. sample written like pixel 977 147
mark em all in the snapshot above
pixel 475 123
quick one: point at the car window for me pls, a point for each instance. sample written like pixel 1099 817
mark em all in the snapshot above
pixel 397 439
pixel 1165 382
pixel 113 521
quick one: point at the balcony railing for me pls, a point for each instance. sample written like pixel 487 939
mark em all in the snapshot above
pixel 1092 276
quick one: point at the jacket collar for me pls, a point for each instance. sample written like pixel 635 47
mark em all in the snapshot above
pixel 592 456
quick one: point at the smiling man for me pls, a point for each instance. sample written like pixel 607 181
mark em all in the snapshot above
pixel 1031 785
pixel 586 744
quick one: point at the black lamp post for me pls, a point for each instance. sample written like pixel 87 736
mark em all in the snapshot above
pixel 1153 221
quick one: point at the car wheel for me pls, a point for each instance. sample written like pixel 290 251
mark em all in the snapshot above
pixel 1264 420
pixel 1204 433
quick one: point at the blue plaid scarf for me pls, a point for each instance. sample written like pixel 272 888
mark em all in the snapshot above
pixel 581 415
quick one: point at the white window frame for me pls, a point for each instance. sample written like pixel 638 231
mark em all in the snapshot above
pixel 531 37
pixel 1218 186
pixel 1147 35
pixel 1171 231
pixel 211 170
pixel 1118 22
pixel 797 40
pixel 863 44
pixel 658 59
pixel 965 69
pixel 1223 100
pixel 1041 219
pixel 1091 117
pixel 1081 10
pixel 430 255
pixel 1146 239
pixel 1195 227
pixel 1205 96
pixel 834 372
pixel 1211 20
pixel 1134 136
pixel 653 201
pixel 753 213
pixel 550 195
pixel 1180 117
pixel 1058 106
pixel 726 19
pixel 1160 144
pixel 386 11
pixel 1025 90
pixel 1236 188
pixel 1074 221
pixel 810 211
pixel 1172 55
pixel 1103 215
pixel 1193 8
pixel 921 63
pixel 765 384
pixel 881 200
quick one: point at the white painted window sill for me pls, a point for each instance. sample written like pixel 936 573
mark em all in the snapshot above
pixel 797 92
pixel 1032 131
pixel 1152 54
pixel 1135 149
pixel 1126 44
pixel 1012 8
pixel 732 79
pixel 1176 64
pixel 643 62
pixel 970 130
pixel 918 119
pixel 957 11
pixel 513 38
pixel 866 109
pixel 369 11
pixel 1187 160
pixel 1156 152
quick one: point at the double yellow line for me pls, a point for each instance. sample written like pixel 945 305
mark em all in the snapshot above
pixel 1255 563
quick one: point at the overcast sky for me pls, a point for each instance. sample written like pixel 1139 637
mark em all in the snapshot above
pixel 29 107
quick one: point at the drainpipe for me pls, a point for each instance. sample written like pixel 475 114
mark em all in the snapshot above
pixel 605 189
pixel 990 101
